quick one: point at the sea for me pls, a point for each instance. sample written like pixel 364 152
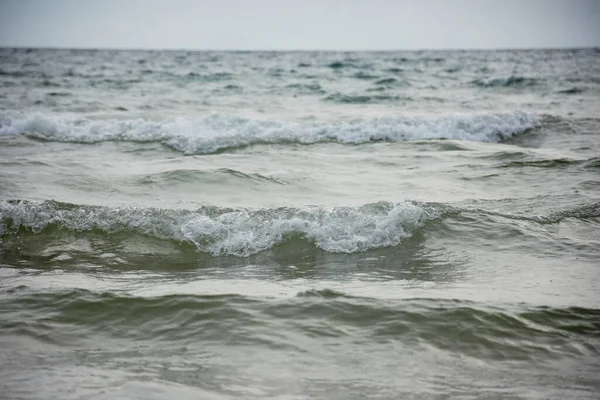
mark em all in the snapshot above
pixel 299 225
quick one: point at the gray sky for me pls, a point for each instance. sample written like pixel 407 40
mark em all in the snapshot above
pixel 307 24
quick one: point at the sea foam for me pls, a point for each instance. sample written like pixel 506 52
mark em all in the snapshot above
pixel 239 232
pixel 216 132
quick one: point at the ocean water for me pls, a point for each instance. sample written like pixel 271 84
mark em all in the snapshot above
pixel 299 225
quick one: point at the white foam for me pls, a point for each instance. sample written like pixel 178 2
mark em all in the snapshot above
pixel 216 132
pixel 232 232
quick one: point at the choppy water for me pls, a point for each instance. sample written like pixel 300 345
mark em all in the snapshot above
pixel 299 225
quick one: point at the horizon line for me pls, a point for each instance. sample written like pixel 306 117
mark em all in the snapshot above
pixel 257 50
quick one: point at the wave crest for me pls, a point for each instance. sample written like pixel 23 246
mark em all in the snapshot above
pixel 238 232
pixel 213 133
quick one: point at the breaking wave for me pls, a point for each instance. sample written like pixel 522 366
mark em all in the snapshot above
pixel 222 231
pixel 214 133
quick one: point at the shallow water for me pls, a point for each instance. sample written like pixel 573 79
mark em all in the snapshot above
pixel 299 225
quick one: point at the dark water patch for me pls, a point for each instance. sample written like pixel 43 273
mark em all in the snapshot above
pixel 392 98
pixel 386 81
pixel 554 163
pixel 434 99
pixel 84 75
pixel 444 145
pixel 431 59
pixel 576 320
pixel 276 72
pixel 395 70
pixel 365 75
pixel 573 90
pixel 250 176
pixel 233 87
pixel 377 89
pixel 307 88
pixel 115 83
pixel 345 64
pixel 362 99
pixel 348 99
pixel 187 176
pixel 215 77
pixel 338 65
pixel 27 162
pixel 120 108
pixel 22 73
pixel 512 81
pixel 479 178
pixel 49 83
pixel 323 293
pixel 592 163
pixel 98 252
pixel 58 94
pixel 7 84
pixel 310 76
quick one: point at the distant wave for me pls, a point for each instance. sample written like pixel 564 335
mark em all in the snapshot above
pixel 509 81
pixel 222 231
pixel 213 133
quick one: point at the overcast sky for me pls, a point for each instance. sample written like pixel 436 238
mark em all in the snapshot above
pixel 307 24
